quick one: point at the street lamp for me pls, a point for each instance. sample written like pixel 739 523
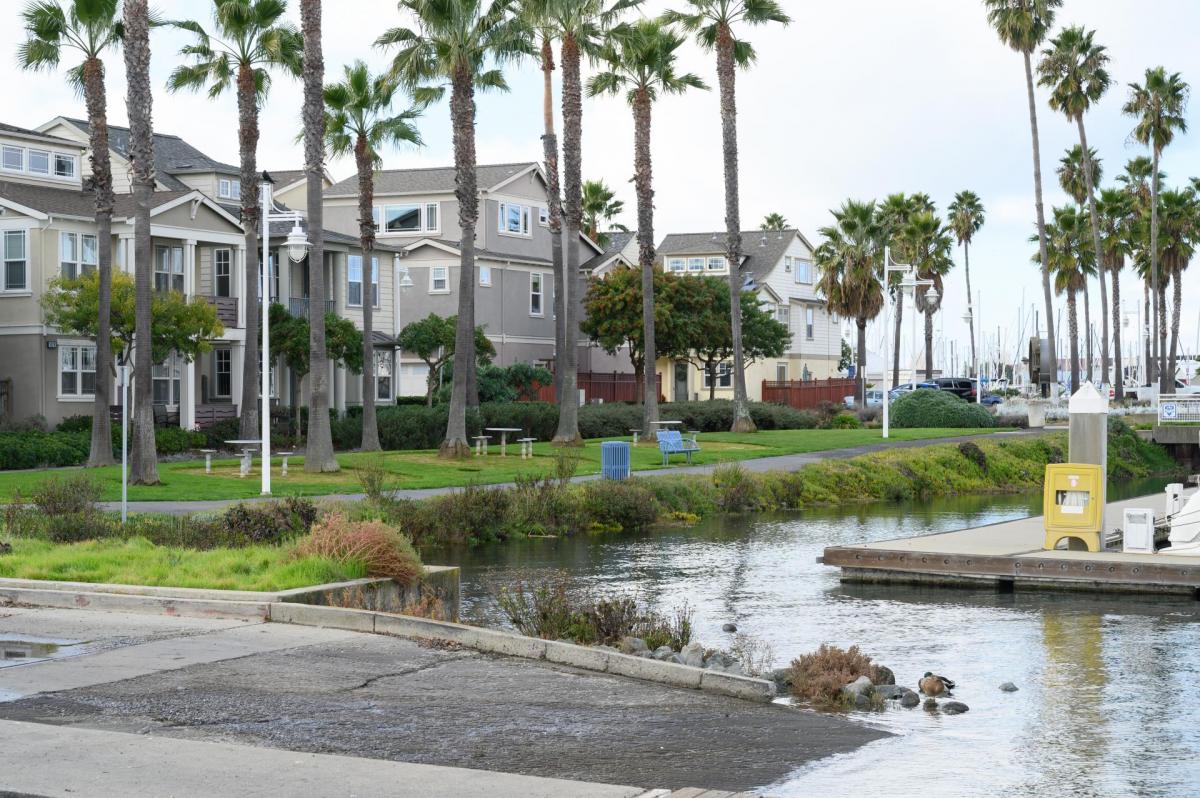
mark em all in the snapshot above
pixel 297 248
pixel 888 269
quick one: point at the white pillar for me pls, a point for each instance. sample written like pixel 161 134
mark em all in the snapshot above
pixel 237 357
pixel 189 268
pixel 187 410
pixel 340 388
pixel 239 285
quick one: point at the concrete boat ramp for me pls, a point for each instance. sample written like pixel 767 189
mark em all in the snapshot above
pixel 1009 556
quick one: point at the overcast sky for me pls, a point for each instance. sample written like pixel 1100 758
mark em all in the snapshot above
pixel 857 98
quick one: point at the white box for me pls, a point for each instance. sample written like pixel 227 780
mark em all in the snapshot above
pixel 1138 531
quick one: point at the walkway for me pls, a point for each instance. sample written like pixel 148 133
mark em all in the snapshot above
pixel 787 462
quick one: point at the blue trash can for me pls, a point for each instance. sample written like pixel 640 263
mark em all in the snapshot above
pixel 614 460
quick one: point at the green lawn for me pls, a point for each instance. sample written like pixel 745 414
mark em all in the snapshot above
pixel 187 481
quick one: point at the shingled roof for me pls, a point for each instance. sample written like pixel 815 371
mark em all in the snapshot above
pixel 761 251
pixel 73 202
pixel 617 241
pixel 434 180
pixel 25 133
pixel 285 177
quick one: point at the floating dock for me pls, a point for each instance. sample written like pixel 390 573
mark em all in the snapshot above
pixel 1009 555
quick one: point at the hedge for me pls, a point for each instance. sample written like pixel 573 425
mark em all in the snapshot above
pixel 34 448
pixel 938 409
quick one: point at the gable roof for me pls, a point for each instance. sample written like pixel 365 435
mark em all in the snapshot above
pixel 282 229
pixel 285 177
pixel 73 202
pixel 433 180
pixel 24 133
pixel 618 240
pixel 761 250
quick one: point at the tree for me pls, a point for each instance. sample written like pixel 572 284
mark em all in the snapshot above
pixel 600 207
pixel 927 245
pixel 846 359
pixel 1077 171
pixel 1023 25
pixel 432 339
pixel 894 213
pixel 455 42
pixel 318 455
pixel 90 27
pixel 850 264
pixel 1072 261
pixel 291 339
pixel 713 23
pixel 966 216
pixel 639 59
pixel 250 39
pixel 1159 105
pixel 1136 183
pixel 1180 222
pixel 1074 68
pixel 358 119
pixel 773 222
pixel 1116 210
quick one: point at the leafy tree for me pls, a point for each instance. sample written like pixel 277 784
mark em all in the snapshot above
pixel 965 218
pixel 846 358
pixel 291 340
pixel 90 27
pixel 773 222
pixel 600 207
pixel 249 39
pixel 713 22
pixel 432 339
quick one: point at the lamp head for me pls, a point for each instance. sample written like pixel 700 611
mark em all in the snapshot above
pixel 297 243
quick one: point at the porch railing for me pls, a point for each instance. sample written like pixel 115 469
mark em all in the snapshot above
pixel 298 306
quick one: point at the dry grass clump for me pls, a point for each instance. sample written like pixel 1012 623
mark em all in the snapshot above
pixel 819 677
pixel 384 551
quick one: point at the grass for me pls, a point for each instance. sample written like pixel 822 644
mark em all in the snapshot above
pixel 140 562
pixel 187 481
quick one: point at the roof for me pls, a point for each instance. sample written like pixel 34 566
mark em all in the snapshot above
pixel 617 241
pixel 281 230
pixel 434 180
pixel 25 133
pixel 172 155
pixel 73 202
pixel 285 177
pixel 761 250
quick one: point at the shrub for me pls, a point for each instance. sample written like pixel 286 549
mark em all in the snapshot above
pixel 372 475
pixel 66 495
pixel 173 440
pixel 545 609
pixel 818 678
pixel 942 409
pixel 266 522
pixel 380 548
pixel 626 505
pixel 78 527
pixel 543 506
pixel 225 430
pixel 845 421
pixel 34 448
pixel 75 424
pixel 474 514
pixel 737 490
pixel 756 654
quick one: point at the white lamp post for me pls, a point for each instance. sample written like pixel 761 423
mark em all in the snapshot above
pixel 888 269
pixel 124 375
pixel 297 248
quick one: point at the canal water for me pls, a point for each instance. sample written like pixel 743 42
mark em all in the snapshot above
pixel 1107 703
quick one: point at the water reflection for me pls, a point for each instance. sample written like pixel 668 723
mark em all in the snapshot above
pixel 1106 682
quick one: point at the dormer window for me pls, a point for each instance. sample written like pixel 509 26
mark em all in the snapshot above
pixel 12 158
pixel 39 162
pixel 64 165
pixel 229 188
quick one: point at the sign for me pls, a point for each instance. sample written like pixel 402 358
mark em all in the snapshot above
pixel 1169 411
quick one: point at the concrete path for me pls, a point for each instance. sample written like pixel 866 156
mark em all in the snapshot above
pixel 207 698
pixel 787 462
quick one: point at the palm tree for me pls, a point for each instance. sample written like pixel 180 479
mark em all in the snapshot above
pixel 1115 208
pixel 1136 182
pixel 926 243
pixel 1072 261
pixel 358 120
pixel 139 102
pixel 850 262
pixel 1077 173
pixel 250 39
pixel 1022 25
pixel 773 222
pixel 1074 68
pixel 1180 220
pixel 965 218
pixel 91 27
pixel 455 42
pixel 639 59
pixel 579 25
pixel 1159 106
pixel 713 22
pixel 894 212
pixel 318 455
pixel 600 207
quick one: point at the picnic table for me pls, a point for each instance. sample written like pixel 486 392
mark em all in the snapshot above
pixel 247 446
pixel 503 437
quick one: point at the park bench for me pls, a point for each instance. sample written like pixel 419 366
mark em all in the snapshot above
pixel 672 442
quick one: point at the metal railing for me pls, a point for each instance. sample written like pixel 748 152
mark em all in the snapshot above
pixel 298 306
pixel 1174 408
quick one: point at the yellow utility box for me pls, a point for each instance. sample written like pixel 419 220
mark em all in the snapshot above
pixel 1073 502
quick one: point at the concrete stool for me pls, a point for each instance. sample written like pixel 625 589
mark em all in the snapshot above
pixel 247 459
pixel 636 433
pixel 481 443
pixel 526 447
pixel 208 453
pixel 285 456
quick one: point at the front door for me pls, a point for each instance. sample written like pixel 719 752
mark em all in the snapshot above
pixel 681 382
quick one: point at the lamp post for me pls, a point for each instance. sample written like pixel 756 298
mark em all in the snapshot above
pixel 124 374
pixel 403 283
pixel 888 269
pixel 297 248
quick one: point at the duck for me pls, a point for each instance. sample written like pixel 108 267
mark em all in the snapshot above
pixel 932 684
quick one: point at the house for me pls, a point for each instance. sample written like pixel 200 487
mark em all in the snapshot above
pixel 779 270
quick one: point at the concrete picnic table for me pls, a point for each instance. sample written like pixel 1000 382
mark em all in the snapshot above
pixel 247 446
pixel 503 437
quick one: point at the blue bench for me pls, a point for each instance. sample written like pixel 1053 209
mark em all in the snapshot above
pixel 672 442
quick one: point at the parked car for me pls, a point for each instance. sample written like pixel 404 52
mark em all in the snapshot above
pixel 874 398
pixel 908 387
pixel 991 400
pixel 1183 389
pixel 962 387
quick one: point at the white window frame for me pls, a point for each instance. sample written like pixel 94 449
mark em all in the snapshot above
pixel 715 263
pixel 169 371
pixel 439 274
pixel 9 149
pixel 217 253
pixel 175 268
pixel 79 263
pixel 229 188
pixel 809 323
pixel 524 214
pixel 403 208
pixel 49 156
pixel 218 371
pixel 485 275
pixel 724 375
pixel 537 289
pixel 803 271
pixel 6 259
pixel 383 371
pixel 432 210
pixel 377 217
pixel 677 265
pixel 696 265
pixel 64 158
pixel 79 353
pixel 351 261
pixel 543 216
pixel 783 314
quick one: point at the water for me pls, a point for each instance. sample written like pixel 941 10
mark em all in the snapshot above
pixel 1106 705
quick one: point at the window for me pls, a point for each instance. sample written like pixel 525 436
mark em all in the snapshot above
pixel 803 271
pixel 39 162
pixel 695 264
pixel 783 315
pixel 383 376
pixel 64 165
pixel 676 264
pixel 402 218
pixel 16 270
pixel 485 275
pixel 431 216
pixel 77 370
pixel 724 376
pixel 222 372
pixel 376 216
pixel 716 264
pixel 536 289
pixel 223 272
pixel 168 269
pixel 229 188
pixel 781 372
pixel 544 216
pixel 514 219
pixel 439 280
pixel 166 378
pixel 808 323
pixel 354 279
pixel 77 254
pixel 12 158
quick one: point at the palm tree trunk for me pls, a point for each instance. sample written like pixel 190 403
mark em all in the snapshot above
pixel 572 285
pixel 366 238
pixel 101 452
pixel 726 74
pixel 929 311
pixel 1177 300
pixel 861 323
pixel 318 456
pixel 970 307
pixel 139 101
pixel 896 336
pixel 1073 330
pixel 1166 382
pixel 1087 330
pixel 248 153
pixel 1148 377
pixel 1118 370
pixel 554 192
pixel 1166 378
pixel 1095 220
pixel 643 179
pixel 1048 296
pixel 462 117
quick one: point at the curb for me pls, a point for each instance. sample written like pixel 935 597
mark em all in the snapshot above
pixel 118 602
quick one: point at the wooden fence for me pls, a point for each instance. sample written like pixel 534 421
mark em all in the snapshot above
pixel 806 394
pixel 603 386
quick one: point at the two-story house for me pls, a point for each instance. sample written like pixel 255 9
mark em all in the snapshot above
pixel 779 270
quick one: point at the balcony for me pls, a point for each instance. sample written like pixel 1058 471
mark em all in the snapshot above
pixel 227 309
pixel 298 306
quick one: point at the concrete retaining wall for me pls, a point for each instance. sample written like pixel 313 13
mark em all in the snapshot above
pixel 439 587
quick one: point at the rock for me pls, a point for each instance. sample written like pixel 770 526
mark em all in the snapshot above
pixel 954 707
pixel 719 660
pixel 885 675
pixel 729 627
pixel 930 705
pixel 693 654
pixel 909 700
pixel 860 686
pixel 663 652
pixel 632 645
pixel 862 702
pixel 678 660
pixel 1008 687
pixel 781 677
pixel 890 692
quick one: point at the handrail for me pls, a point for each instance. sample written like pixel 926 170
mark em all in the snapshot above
pixel 1175 408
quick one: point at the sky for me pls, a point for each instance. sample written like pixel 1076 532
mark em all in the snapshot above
pixel 854 99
